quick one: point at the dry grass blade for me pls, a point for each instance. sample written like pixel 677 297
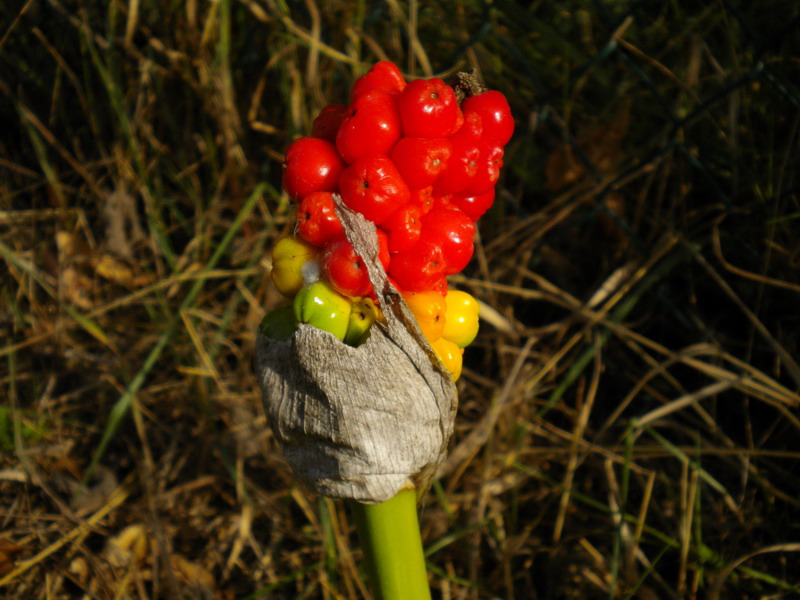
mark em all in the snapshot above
pixel 719 580
pixel 684 401
pixel 746 274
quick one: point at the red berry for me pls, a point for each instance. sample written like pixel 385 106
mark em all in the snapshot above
pixel 371 125
pixel 492 106
pixel 373 186
pixel 420 268
pixel 383 76
pixel 454 232
pixel 383 257
pixel 462 166
pixel 420 160
pixel 443 201
pixel 396 285
pixel 472 127
pixel 489 165
pixel 311 165
pixel 440 286
pixel 383 249
pixel 403 227
pixel 327 122
pixel 474 206
pixel 317 222
pixel 423 198
pixel 429 108
pixel 344 269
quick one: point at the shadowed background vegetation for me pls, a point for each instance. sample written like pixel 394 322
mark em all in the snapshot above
pixel 628 423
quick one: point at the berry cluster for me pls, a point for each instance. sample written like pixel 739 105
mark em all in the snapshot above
pixel 420 165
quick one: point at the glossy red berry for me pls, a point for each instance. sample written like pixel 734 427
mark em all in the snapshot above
pixel 383 76
pixel 472 127
pixel 383 249
pixel 488 171
pixel 420 160
pixel 420 268
pixel 383 256
pixel 403 227
pixel 326 125
pixel 454 232
pixel 423 198
pixel 311 165
pixel 317 222
pixel 345 270
pixel 443 201
pixel 462 166
pixel 492 106
pixel 474 206
pixel 373 186
pixel 371 125
pixel 440 286
pixel 429 108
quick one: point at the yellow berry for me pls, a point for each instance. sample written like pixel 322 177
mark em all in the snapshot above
pixel 363 314
pixel 289 256
pixel 450 355
pixel 461 318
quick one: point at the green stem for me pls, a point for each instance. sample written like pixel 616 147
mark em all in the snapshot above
pixel 390 538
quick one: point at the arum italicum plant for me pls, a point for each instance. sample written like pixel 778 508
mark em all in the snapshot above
pixel 368 424
pixel 358 374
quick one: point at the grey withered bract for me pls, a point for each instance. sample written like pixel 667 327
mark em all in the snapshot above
pixel 359 423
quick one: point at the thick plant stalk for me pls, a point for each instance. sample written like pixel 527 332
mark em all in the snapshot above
pixel 390 538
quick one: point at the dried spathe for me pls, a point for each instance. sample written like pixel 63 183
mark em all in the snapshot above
pixel 359 423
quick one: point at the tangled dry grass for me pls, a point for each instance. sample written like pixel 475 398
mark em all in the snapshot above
pixel 628 422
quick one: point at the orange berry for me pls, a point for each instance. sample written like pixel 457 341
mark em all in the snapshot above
pixel 428 309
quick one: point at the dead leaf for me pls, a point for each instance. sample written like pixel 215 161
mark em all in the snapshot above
pixel 601 146
pixel 73 255
pixel 117 271
pixel 79 568
pixel 122 222
pixel 615 203
pixel 89 499
pixel 8 550
pixel 563 168
pixel 71 247
pixel 128 545
pixel 246 430
pixel 75 288
pixel 191 572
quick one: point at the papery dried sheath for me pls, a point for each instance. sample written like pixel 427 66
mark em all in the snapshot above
pixel 359 423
